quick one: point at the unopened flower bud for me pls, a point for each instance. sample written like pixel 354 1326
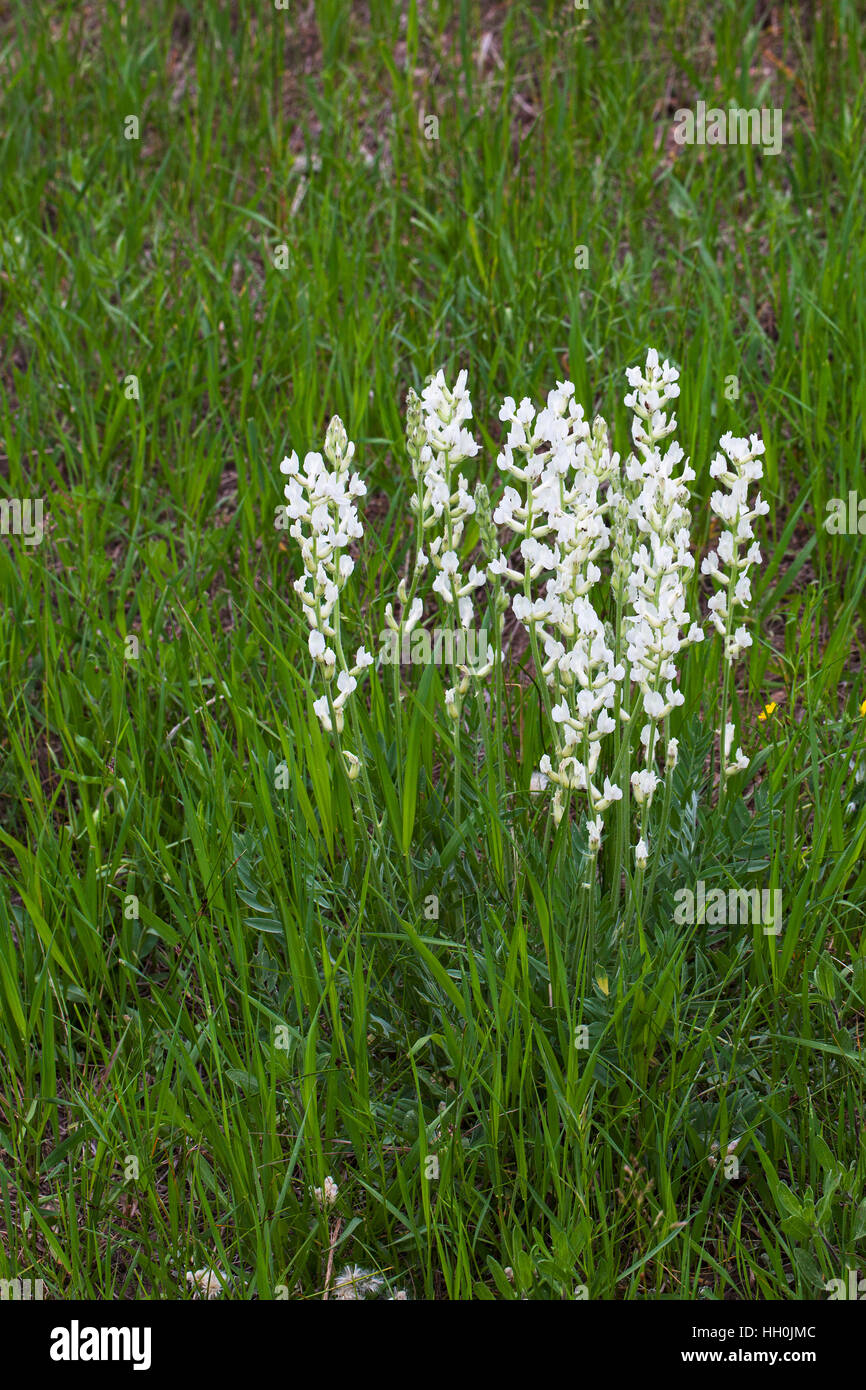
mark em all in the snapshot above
pixel 486 527
pixel 353 767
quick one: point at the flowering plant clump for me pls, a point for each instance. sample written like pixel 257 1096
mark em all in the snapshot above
pixel 598 555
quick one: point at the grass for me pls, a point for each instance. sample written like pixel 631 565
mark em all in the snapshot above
pixel 214 989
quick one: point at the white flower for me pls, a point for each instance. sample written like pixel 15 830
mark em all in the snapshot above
pixel 448 563
pixel 205 1281
pixel 643 784
pixel 353 1282
pixel 641 855
pixel 326 1195
pixel 609 794
pixel 740 762
pixel 322 711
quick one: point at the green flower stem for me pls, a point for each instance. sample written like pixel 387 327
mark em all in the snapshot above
pixel 392 885
pixel 398 717
pixel 663 828
pixel 726 682
pixel 490 765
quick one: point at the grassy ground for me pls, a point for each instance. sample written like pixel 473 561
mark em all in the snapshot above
pixel 210 996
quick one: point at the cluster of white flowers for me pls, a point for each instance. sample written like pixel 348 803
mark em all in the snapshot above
pixel 326 1196
pixel 354 1283
pixel 662 563
pixel 205 1282
pixel 320 505
pixel 737 470
pixel 548 448
pixel 585 673
pixel 563 466
pixel 737 466
pixel 439 442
